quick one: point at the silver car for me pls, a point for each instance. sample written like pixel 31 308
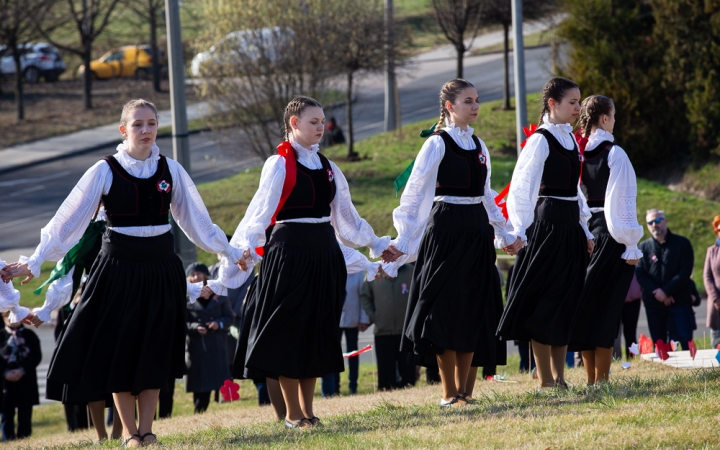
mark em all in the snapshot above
pixel 38 60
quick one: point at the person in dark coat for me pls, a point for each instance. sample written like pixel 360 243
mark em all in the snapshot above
pixel 20 354
pixel 664 275
pixel 208 321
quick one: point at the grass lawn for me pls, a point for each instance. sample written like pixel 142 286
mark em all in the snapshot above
pixel 647 406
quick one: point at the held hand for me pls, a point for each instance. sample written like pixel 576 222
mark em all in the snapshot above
pixel 19 270
pixel 202 330
pixel 515 247
pixel 363 326
pixel 632 262
pixel 391 254
pixel 660 295
pixel 213 325
pixel 716 304
pixel 590 245
pixel 5 276
pixel 206 292
pixel 669 301
pixel 243 262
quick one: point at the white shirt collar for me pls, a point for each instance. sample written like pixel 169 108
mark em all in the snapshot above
pixel 459 132
pixel 597 137
pixel 302 151
pixel 564 127
pixel 127 160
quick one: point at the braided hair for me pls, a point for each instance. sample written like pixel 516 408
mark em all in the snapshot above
pixel 449 93
pixel 591 109
pixel 295 109
pixel 555 89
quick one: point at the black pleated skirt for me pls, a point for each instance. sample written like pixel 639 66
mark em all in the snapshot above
pixel 548 277
pixel 292 318
pixel 127 333
pixel 454 285
pixel 606 285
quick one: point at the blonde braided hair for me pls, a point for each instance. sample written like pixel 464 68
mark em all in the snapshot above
pixel 295 109
pixel 449 93
pixel 591 109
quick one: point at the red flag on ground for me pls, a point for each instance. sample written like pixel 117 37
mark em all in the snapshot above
pixel 646 345
pixel 692 348
pixel 662 349
pixel 230 391
pixel 357 352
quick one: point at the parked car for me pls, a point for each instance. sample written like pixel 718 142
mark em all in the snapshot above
pixel 244 45
pixel 38 60
pixel 128 61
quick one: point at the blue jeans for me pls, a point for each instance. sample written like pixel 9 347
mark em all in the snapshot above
pixel 672 323
pixel 330 384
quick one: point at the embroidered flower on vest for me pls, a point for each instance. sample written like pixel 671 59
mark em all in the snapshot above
pixel 482 158
pixel 331 175
pixel 163 186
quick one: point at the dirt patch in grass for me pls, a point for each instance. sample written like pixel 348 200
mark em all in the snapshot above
pixel 57 108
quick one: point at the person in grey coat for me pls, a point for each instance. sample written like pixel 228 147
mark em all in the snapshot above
pixel 385 302
pixel 208 320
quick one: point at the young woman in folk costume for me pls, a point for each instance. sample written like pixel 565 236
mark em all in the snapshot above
pixel 293 309
pixel 608 180
pixel 127 333
pixel 548 219
pixel 447 219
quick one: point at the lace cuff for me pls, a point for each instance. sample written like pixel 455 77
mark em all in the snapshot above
pixel 378 246
pixel 631 252
pixel 18 314
pixel 34 264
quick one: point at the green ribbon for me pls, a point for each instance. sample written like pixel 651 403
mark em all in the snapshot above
pixel 87 241
pixel 403 178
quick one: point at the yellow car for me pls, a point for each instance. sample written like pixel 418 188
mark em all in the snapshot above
pixel 128 61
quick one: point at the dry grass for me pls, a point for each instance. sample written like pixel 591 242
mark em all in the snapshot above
pixel 57 108
pixel 648 406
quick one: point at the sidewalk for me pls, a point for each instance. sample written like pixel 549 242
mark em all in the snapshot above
pixel 58 147
pixel 84 141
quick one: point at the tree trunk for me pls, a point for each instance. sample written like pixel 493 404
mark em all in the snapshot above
pixel 154 50
pixel 348 112
pixel 506 66
pixel 19 95
pixel 460 56
pixel 87 76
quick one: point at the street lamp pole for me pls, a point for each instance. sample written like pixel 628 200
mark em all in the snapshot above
pixel 519 69
pixel 181 148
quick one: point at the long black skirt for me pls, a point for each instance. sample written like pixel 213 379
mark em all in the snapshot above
pixel 127 333
pixel 453 282
pixel 294 308
pixel 606 286
pixel 548 277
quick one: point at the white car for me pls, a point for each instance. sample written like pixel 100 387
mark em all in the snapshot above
pixel 244 45
pixel 39 60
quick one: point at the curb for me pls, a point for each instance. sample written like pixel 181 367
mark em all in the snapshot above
pixel 81 151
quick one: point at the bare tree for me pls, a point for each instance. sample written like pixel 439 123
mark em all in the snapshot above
pixel 358 40
pixel 149 11
pixel 17 27
pixel 456 19
pixel 262 55
pixel 500 12
pixel 90 18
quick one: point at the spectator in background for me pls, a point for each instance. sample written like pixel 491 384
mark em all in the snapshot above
pixel 629 321
pixel 664 275
pixel 333 133
pixel 352 321
pixel 208 320
pixel 385 302
pixel 711 278
pixel 20 355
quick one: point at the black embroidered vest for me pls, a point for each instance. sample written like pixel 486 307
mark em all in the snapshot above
pixel 561 173
pixel 137 202
pixel 313 192
pixel 596 173
pixel 462 173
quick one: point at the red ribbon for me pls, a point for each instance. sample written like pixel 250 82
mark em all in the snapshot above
pixel 286 151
